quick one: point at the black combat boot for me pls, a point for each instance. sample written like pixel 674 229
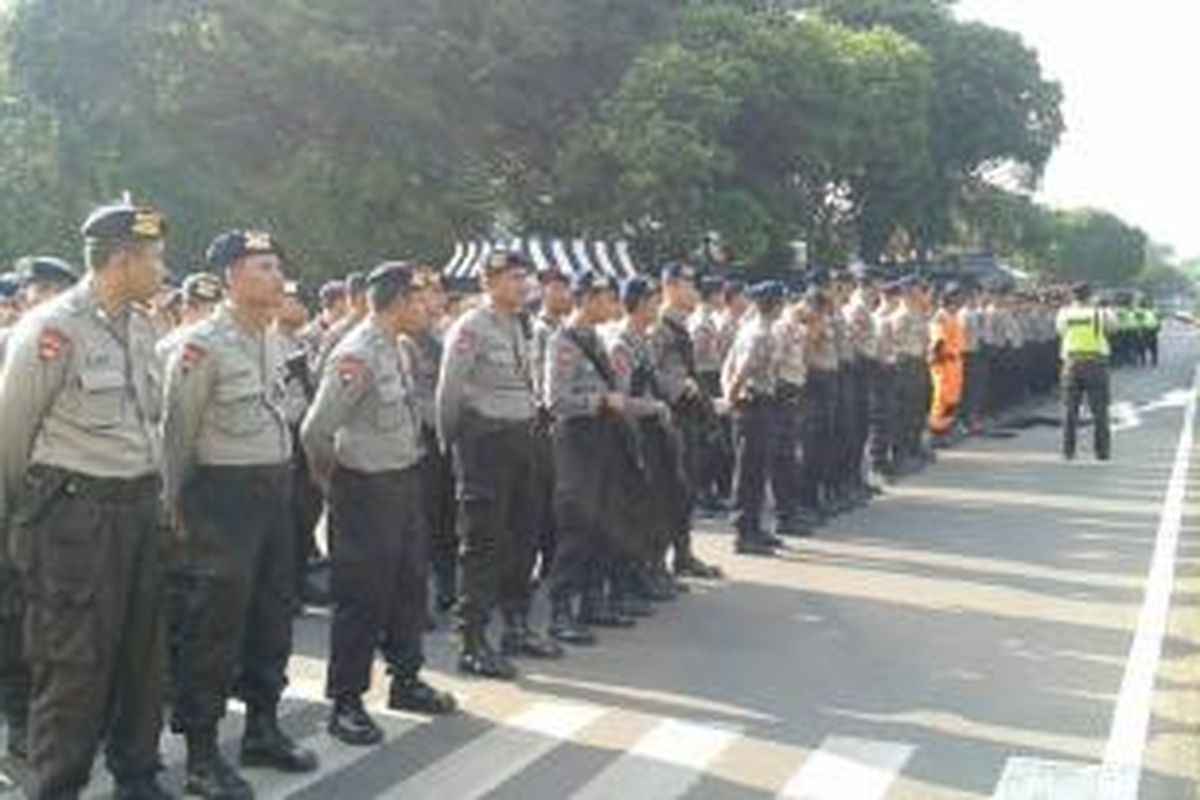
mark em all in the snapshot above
pixel 350 723
pixel 208 774
pixel 413 694
pixel 264 745
pixel 143 788
pixel 597 610
pixel 565 628
pixel 478 658
pixel 519 640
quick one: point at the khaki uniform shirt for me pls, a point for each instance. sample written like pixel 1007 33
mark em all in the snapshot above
pixel 225 400
pixel 364 416
pixel 77 392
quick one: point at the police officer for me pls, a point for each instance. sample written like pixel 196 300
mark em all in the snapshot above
pixel 228 482
pixel 820 398
pixel 556 304
pixel 10 300
pixel 422 353
pixel 703 326
pixel 355 287
pixel 691 408
pixel 749 383
pixel 363 440
pixel 1085 329
pixel 200 294
pixel 583 397
pixel 791 353
pixel 79 507
pixel 36 280
pixel 655 498
pixel 486 413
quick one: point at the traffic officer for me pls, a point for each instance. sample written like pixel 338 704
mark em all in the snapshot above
pixel 749 383
pixel 228 481
pixel 691 408
pixel 486 414
pixel 79 510
pixel 1085 329
pixel 363 440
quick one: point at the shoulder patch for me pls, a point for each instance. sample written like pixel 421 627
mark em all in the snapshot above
pixel 51 344
pixel 192 356
pixel 350 368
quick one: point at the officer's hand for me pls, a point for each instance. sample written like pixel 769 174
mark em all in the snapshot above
pixel 662 411
pixel 615 401
pixel 691 388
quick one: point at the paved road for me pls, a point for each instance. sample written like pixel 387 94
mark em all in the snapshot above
pixel 965 637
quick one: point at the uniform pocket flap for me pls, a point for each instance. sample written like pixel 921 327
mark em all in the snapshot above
pixel 101 380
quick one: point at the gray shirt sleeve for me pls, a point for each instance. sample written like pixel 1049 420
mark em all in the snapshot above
pixel 33 373
pixel 342 386
pixel 462 345
pixel 191 377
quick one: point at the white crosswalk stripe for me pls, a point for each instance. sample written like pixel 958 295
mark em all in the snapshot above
pixel 664 764
pixel 849 769
pixel 631 755
pixel 483 764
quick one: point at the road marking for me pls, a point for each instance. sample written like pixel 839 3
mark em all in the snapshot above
pixel 334 757
pixel 484 763
pixel 664 763
pixel 1121 772
pixel 1039 779
pixel 848 769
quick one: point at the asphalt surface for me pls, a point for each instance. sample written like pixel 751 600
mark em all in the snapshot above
pixel 964 637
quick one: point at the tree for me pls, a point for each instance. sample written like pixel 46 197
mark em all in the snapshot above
pixel 1096 246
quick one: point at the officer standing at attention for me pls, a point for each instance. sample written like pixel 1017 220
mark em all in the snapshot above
pixel 228 481
pixel 200 294
pixel 486 413
pixel 363 440
pixel 675 359
pixel 1085 329
pixel 749 383
pixel 80 513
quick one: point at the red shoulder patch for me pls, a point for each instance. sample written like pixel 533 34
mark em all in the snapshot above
pixel 51 344
pixel 193 355
pixel 350 368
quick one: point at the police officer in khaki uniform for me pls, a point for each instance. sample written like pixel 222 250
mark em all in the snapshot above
pixel 363 439
pixel 227 481
pixel 675 359
pixel 79 507
pixel 41 278
pixel 582 394
pixel 749 383
pixel 486 413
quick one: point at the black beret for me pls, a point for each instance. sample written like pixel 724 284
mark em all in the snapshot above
pixel 590 283
pixel 636 289
pixel 711 286
pixel 202 287
pixel 733 288
pixel 767 293
pixel 392 277
pixel 332 292
pixel 46 269
pixel 677 271
pixel 504 261
pixel 232 246
pixel 125 222
pixel 9 286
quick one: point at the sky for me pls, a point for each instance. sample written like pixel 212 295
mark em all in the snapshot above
pixel 1131 78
